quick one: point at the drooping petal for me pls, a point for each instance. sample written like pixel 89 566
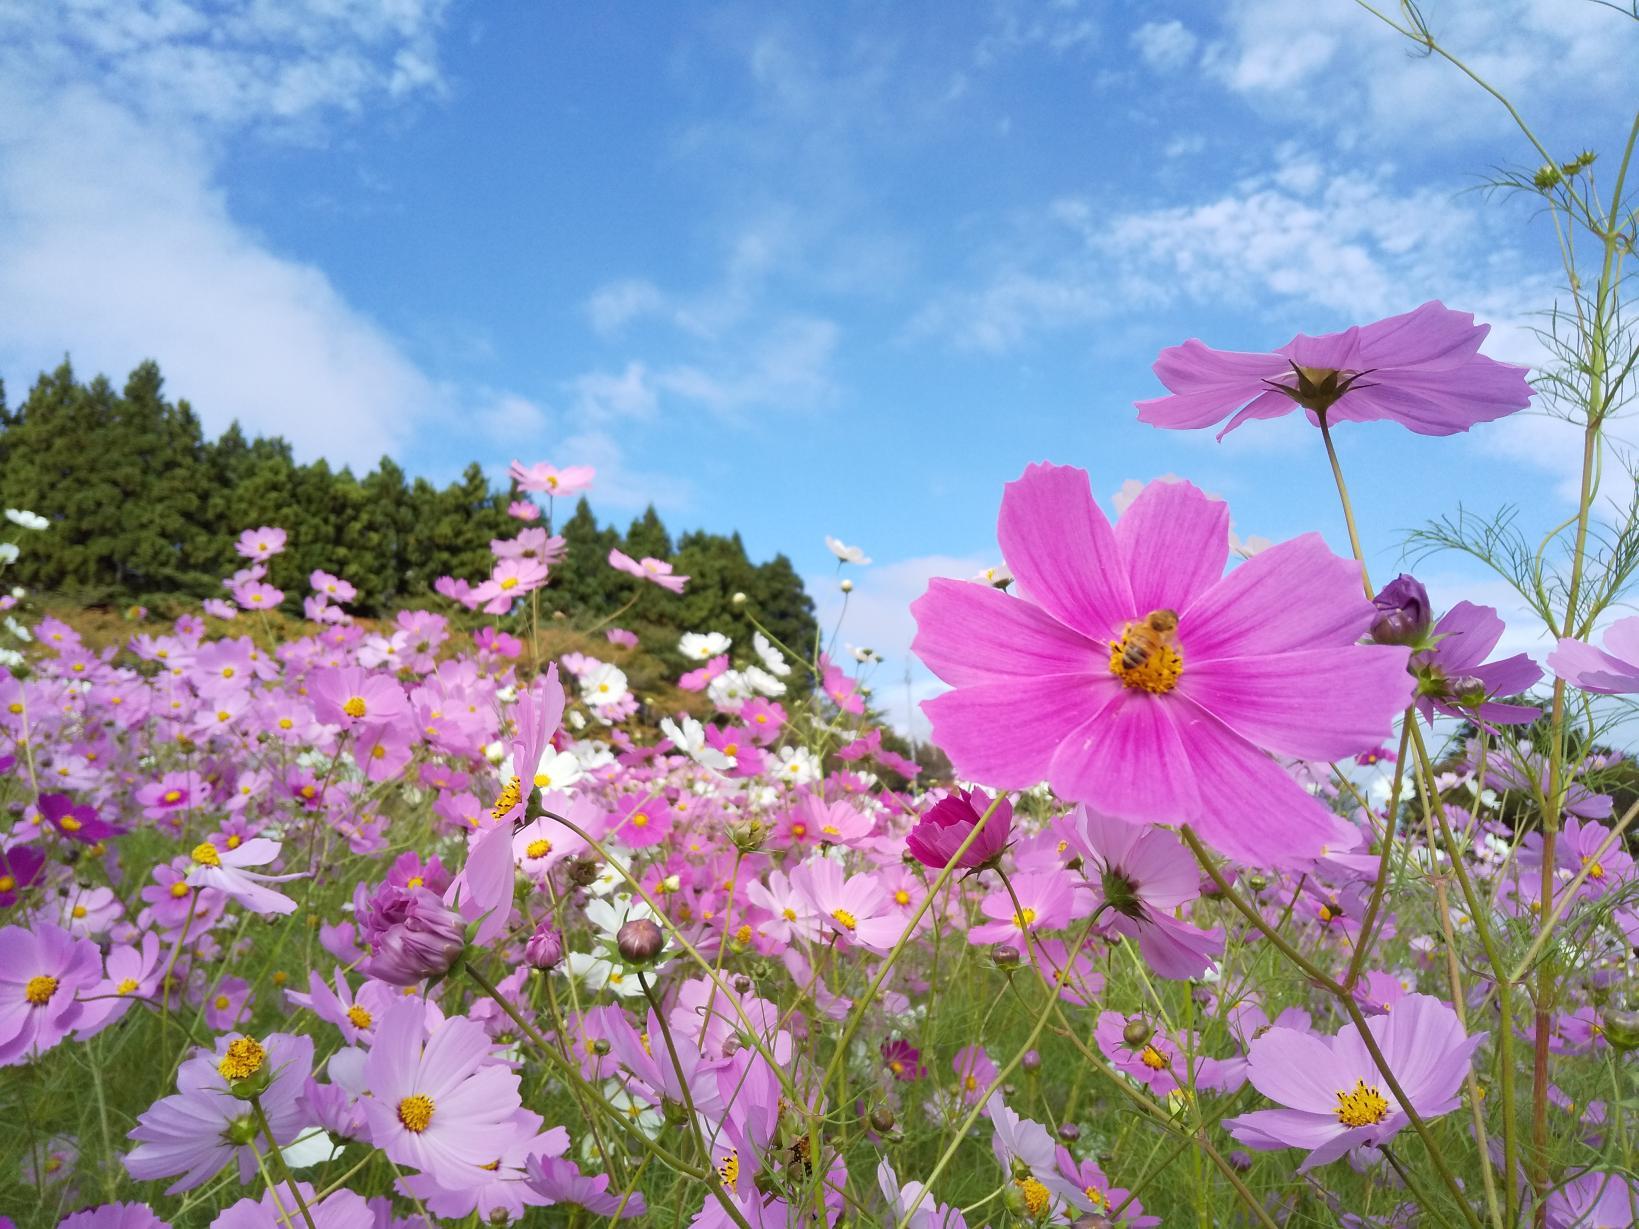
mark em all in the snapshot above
pixel 1175 542
pixel 970 632
pixel 1062 551
pixel 1591 669
pixel 1207 385
pixel 1318 704
pixel 1294 596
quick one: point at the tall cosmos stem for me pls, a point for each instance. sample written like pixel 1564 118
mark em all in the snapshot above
pixel 1343 495
pixel 279 1165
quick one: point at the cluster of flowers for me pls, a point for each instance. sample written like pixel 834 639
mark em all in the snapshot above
pixel 514 949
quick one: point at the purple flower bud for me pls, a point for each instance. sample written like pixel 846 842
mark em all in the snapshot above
pixel 412 936
pixel 639 940
pixel 1403 613
pixel 942 829
pixel 545 947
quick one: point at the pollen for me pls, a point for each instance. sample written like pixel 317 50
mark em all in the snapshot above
pixel 510 797
pixel 1596 870
pixel 8 883
pixel 244 1059
pixel 538 848
pixel 354 707
pixel 39 990
pixel 901 897
pixel 640 820
pixel 1145 658
pixel 1361 1106
pixel 360 1017
pixel 1153 1058
pixel 743 935
pixel 1025 920
pixel 206 855
pixel 845 919
pixel 1036 1198
pixel 128 986
pixel 179 890
pixel 415 1112
pixel 171 796
pixel 729 1170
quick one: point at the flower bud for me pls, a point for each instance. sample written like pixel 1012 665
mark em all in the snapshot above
pixel 739 599
pixel 748 834
pixel 413 936
pixel 583 872
pixel 1403 613
pixel 1069 1132
pixel 544 950
pixel 600 1046
pixel 1004 955
pixel 1031 1060
pixel 882 1119
pixel 1137 1032
pixel 640 941
pixel 847 586
pixel 1466 690
pixel 1621 1029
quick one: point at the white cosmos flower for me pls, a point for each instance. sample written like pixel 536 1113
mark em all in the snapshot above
pixel 797 766
pixel 558 770
pixel 17 629
pixel 603 685
pixel 596 973
pixel 689 737
pixel 999 574
pixel 703 646
pixel 9 552
pixel 864 655
pixel 760 680
pixel 610 915
pixel 846 553
pixel 27 519
pixel 729 691
pixel 771 657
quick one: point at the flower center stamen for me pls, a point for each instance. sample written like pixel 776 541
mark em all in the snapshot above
pixel 1361 1106
pixel 1145 658
pixel 415 1112
pixel 39 990
pixel 1036 1197
pixel 243 1059
pixel 206 855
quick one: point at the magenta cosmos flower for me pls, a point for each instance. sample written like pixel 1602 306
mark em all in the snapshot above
pixel 1422 369
pixel 1336 1098
pixel 948 822
pixel 1134 676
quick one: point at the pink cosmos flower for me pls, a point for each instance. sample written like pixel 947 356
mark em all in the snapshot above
pixel 1334 1095
pixel 524 510
pixel 225 870
pixel 218 609
pixel 79 823
pixel 900 1196
pixel 1145 875
pixel 1046 899
pixel 1091 1192
pixel 510 580
pixel 1158 1062
pixel 342 1209
pixel 976 1072
pixel 331 588
pixel 20 867
pixel 550 479
pixel 349 697
pixel 499 1191
pixel 201 1127
pixel 1135 677
pixel 943 827
pixel 855 908
pixel 258 596
pixel 439 1104
pixel 260 544
pixel 1611 671
pixel 1422 369
pixel 619 635
pixel 1594 1200
pixel 559 1181
pixel 647 568
pixel 1455 678
pixel 42 971
pixel 112 1216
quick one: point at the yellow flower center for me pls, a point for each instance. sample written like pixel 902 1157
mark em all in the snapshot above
pixel 511 582
pixel 243 1059
pixel 354 707
pixel 70 824
pixel 743 935
pixel 510 797
pixel 223 1002
pixel 1145 658
pixel 538 849
pixel 1361 1106
pixel 1153 1058
pixel 79 911
pixel 415 881
pixel 179 890
pixel 729 1170
pixel 285 723
pixel 799 830
pixel 1596 870
pixel 901 897
pixel 39 990
pixel 415 1112
pixel 1094 1195
pixel 1035 1194
pixel 970 1083
pixel 7 883
pixel 845 919
pixel 790 914
pixel 640 820
pixel 206 855
pixel 127 986
pixel 897 1067
pixel 360 1017
pixel 171 795
pixel 1024 920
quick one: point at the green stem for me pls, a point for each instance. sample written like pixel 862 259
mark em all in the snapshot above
pixel 278 1159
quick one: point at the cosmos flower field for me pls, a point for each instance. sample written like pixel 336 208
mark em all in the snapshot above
pixel 412 924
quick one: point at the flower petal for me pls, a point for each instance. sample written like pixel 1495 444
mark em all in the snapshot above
pixel 969 632
pixel 1294 596
pixel 1175 542
pixel 1004 734
pixel 1128 761
pixel 1062 551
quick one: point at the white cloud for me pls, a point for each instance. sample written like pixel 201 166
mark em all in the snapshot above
pixel 614 305
pixel 600 395
pixel 1165 45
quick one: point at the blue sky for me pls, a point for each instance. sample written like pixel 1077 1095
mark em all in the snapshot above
pixel 796 270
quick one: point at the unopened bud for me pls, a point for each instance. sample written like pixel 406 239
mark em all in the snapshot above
pixel 1137 1032
pixel 739 599
pixel 847 586
pixel 582 872
pixel 1031 1060
pixel 600 1046
pixel 1069 1132
pixel 544 950
pixel 1403 613
pixel 640 941
pixel 748 834
pixel 1621 1029
pixel 1004 955
pixel 882 1119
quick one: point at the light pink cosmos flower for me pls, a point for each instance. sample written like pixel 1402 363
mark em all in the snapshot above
pixel 855 908
pixel 1135 677
pixel 342 1209
pixel 257 595
pixel 1336 1098
pixel 523 510
pixel 647 568
pixel 42 971
pixel 1422 369
pixel 1046 900
pixel 550 479
pixel 1611 671
pixel 439 1103
pixel 260 544
pixel 349 696
pixel 225 870
pixel 510 580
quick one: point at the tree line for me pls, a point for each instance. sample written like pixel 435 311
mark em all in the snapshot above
pixel 145 509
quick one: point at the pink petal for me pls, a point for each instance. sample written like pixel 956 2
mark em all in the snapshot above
pixel 1004 734
pixel 1175 542
pixel 1297 595
pixel 1295 1069
pixel 968 632
pixel 1128 761
pixel 1062 551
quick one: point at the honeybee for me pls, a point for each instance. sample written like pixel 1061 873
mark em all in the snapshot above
pixel 1147 637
